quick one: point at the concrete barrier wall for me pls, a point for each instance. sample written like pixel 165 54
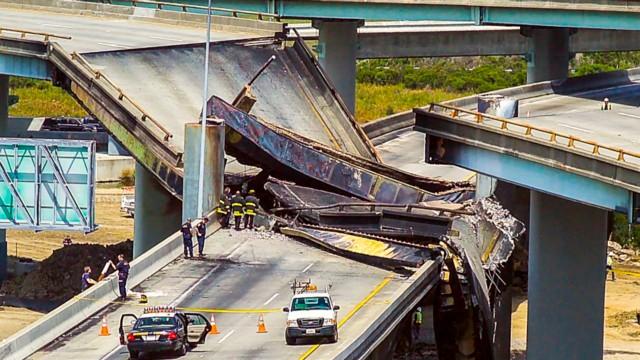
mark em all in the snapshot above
pixel 75 311
pixel 223 23
pixel 110 167
pixel 406 299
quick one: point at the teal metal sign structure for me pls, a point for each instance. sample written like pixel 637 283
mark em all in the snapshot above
pixel 47 184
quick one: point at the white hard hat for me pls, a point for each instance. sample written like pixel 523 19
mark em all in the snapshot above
pixel 419 309
pixel 606 99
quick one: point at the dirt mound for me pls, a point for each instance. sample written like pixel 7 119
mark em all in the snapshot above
pixel 57 277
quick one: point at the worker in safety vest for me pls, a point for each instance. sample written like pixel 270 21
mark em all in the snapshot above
pixel 223 209
pixel 237 205
pixel 416 323
pixel 250 206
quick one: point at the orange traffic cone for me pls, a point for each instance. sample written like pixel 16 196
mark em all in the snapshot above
pixel 104 329
pixel 261 327
pixel 214 327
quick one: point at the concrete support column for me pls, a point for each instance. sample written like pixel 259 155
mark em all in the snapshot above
pixel 157 213
pixel 337 47
pixel 567 257
pixel 213 168
pixel 548 56
pixel 4 120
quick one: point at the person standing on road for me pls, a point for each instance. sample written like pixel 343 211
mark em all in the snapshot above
pixel 222 211
pixel 250 206
pixel 201 232
pixel 187 237
pixel 610 267
pixel 123 274
pixel 237 203
pixel 416 324
pixel 86 278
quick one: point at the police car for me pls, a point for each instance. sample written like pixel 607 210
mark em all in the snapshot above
pixel 162 329
pixel 312 314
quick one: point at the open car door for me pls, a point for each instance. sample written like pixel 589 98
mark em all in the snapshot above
pixel 126 324
pixel 197 328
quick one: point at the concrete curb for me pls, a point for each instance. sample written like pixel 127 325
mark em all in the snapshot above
pixel 406 298
pixel 74 7
pixel 73 312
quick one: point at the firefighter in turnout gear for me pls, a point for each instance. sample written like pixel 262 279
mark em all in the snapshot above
pixel 250 206
pixel 223 209
pixel 237 205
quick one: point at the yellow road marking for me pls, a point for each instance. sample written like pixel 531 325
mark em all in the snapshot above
pixel 468 178
pixel 353 311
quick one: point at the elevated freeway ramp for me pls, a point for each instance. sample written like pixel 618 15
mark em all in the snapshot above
pixel 246 274
pixel 290 93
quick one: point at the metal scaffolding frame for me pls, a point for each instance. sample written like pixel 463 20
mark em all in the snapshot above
pixel 47 184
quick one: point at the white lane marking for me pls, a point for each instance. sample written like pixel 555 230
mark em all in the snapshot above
pixel 576 128
pixel 112 352
pixel 113 45
pixel 226 336
pixel 308 267
pixel 165 38
pixel 58 26
pixel 235 249
pixel 630 115
pixel 179 299
pixel 270 299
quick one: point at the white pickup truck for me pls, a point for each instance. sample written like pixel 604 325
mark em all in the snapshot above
pixel 311 314
pixel 128 204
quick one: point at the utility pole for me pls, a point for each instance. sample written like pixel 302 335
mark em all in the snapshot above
pixel 204 115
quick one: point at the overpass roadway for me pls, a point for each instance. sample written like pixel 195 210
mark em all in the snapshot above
pixel 104 33
pixel 251 271
pixel 580 161
pixel 596 14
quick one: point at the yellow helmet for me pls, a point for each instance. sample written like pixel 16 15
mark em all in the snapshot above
pixel 252 191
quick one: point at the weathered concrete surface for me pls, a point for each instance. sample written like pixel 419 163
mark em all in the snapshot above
pixel 111 167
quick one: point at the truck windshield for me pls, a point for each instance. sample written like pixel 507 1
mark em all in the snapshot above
pixel 311 303
pixel 155 321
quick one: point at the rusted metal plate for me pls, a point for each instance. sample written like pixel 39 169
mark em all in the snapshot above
pixel 255 142
pixel 364 248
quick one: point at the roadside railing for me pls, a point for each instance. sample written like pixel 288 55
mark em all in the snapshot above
pixel 539 133
pixel 121 94
pixel 23 34
pixel 162 5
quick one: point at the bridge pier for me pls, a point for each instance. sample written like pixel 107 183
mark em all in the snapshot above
pixel 157 213
pixel 213 169
pixel 548 56
pixel 567 257
pixel 337 48
pixel 4 119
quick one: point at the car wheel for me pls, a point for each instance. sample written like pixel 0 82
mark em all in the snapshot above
pixel 183 350
pixel 133 354
pixel 334 338
pixel 290 340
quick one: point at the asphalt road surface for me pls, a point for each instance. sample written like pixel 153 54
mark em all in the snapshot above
pixel 579 115
pixel 103 33
pixel 243 274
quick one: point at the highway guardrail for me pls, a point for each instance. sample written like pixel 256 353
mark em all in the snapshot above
pixel 539 133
